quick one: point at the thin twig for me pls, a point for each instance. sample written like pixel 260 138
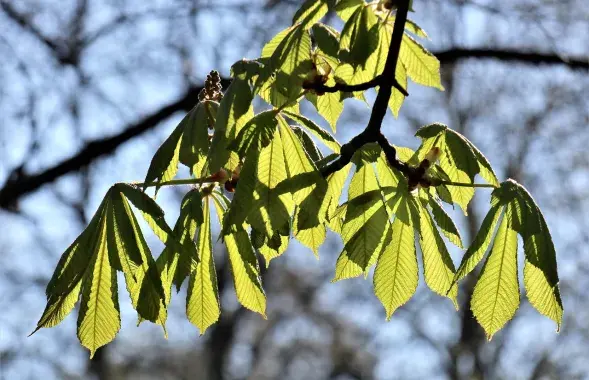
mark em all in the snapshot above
pixel 461 184
pixel 174 182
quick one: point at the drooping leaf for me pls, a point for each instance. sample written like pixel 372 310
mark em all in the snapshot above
pixel 298 164
pixel 310 12
pixel 99 319
pixel 422 66
pixel 256 134
pixel 445 223
pixel 235 110
pixel 329 105
pixel 244 265
pixel 243 199
pixel 540 270
pixel 64 288
pixel 479 245
pixel 308 144
pixel 437 264
pixel 496 295
pixel 202 301
pixel 346 8
pixel 324 136
pixel 396 274
pixel 194 144
pixel 175 265
pixel 141 275
pixel 271 211
pixel 365 221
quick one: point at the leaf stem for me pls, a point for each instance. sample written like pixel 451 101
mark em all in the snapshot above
pixel 174 182
pixel 461 184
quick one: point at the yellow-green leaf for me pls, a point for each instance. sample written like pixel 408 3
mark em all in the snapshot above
pixel 422 66
pixel 496 295
pixel 202 301
pixel 396 274
pixel 99 319
pixel 437 264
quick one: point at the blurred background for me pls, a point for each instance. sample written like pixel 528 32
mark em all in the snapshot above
pixel 89 89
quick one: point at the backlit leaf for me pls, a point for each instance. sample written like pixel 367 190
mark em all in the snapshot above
pixel 396 274
pixel 202 301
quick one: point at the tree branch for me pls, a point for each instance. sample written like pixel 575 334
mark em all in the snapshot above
pixel 515 56
pixel 387 81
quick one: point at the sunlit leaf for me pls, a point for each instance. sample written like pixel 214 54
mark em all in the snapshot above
pixel 396 274
pixel 437 263
pixel 421 65
pixel 496 295
pixel 310 12
pixel 202 301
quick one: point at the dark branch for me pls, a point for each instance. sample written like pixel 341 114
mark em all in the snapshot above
pixel 386 83
pixel 515 56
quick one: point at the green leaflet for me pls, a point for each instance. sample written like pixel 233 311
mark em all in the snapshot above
pixel 298 165
pixel 312 237
pixel 58 307
pixel 151 212
pixel 274 247
pixel 235 110
pixel 271 211
pixel 445 223
pixel 396 275
pixel 194 144
pixel 346 8
pixel 308 144
pixel 540 270
pixel 523 217
pixel 397 98
pixel 365 221
pixel 460 160
pixel 256 134
pixel 412 27
pixel 327 40
pixel 329 105
pixel 175 265
pixel 479 245
pixel 143 281
pixel 422 66
pixel 310 12
pixel 74 261
pixel 202 300
pixel 324 136
pixel 289 59
pixel 437 264
pixel 496 295
pixel 99 319
pixel 335 187
pixel 359 37
pixel 362 245
pixel 387 176
pixel 244 266
pixel 64 287
pixel 243 199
